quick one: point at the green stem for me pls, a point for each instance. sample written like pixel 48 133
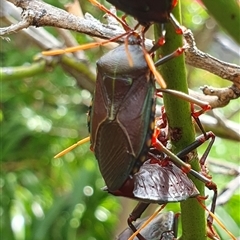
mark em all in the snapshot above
pixel 181 127
pixel 226 13
pixel 15 73
pixel 78 69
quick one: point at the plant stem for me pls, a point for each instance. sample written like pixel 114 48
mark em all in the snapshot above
pixel 226 13
pixel 19 72
pixel 181 127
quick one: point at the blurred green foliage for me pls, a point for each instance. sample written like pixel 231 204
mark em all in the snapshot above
pixel 44 198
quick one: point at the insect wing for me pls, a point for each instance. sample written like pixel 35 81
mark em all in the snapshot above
pixel 122 114
pixel 162 184
pixel 161 227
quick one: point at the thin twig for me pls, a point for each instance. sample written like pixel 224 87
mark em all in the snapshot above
pixel 228 191
pixel 199 59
